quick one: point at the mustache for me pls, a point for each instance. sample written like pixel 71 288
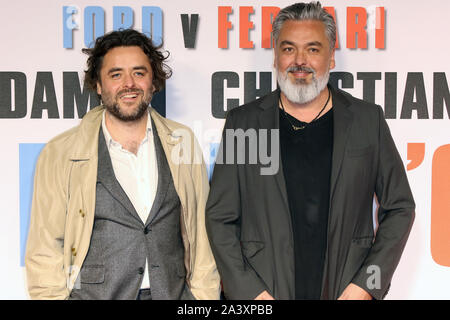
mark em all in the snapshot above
pixel 128 91
pixel 300 69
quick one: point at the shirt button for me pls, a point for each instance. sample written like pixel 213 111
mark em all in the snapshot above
pixel 141 270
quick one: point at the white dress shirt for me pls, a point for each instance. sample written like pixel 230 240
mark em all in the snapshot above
pixel 137 174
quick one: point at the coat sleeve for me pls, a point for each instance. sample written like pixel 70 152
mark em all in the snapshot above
pixel 395 216
pixel 205 280
pixel 223 223
pixel 44 254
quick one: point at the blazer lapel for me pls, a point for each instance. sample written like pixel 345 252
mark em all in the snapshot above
pixel 343 119
pixel 164 176
pixel 107 178
pixel 269 119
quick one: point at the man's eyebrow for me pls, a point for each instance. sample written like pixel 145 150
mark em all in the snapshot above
pixel 115 69
pixel 140 68
pixel 286 43
pixel 315 43
pixel 290 43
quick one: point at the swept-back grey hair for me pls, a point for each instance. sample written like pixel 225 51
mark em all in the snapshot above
pixel 305 11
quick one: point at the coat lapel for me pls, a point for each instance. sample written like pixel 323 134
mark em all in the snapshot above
pixel 163 177
pixel 269 119
pixel 342 123
pixel 169 139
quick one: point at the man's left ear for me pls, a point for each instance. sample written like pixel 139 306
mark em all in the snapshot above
pixel 99 88
pixel 332 61
pixel 274 59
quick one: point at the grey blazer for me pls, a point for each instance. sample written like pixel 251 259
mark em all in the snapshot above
pixel 248 219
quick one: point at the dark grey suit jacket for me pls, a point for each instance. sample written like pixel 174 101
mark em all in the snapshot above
pixel 248 219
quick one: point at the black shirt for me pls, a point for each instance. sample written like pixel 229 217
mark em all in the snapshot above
pixel 306 158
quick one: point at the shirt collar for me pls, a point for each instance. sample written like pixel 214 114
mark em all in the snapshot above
pixel 111 142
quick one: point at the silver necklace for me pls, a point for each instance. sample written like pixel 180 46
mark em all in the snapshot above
pixel 306 124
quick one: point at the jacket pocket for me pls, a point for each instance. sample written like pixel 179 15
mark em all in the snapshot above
pixel 364 242
pixel 250 248
pixel 93 274
pixel 357 254
pixel 257 260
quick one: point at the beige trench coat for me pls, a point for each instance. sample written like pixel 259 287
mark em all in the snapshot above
pixel 63 207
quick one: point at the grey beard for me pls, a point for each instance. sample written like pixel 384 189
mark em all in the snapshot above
pixel 299 92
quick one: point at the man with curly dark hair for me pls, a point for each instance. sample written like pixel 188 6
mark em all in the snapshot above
pixel 119 201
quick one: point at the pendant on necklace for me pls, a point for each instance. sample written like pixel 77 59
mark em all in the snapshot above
pixel 297 128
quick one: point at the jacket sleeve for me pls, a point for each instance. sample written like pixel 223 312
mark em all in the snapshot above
pixel 395 217
pixel 44 254
pixel 223 223
pixel 205 280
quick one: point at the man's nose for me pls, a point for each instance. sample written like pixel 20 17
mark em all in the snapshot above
pixel 300 58
pixel 128 81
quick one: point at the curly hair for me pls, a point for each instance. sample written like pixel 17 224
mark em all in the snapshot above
pixel 126 38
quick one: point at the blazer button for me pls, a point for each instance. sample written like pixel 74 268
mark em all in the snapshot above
pixel 141 270
pixel 147 230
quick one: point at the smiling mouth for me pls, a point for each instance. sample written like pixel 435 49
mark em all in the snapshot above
pixel 129 96
pixel 300 74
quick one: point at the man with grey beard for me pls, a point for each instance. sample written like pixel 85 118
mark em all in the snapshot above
pixel 115 214
pixel 307 231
